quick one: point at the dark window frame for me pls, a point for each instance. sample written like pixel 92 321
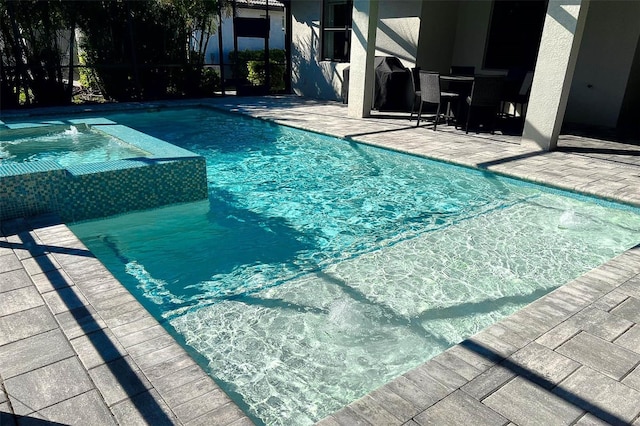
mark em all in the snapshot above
pixel 341 32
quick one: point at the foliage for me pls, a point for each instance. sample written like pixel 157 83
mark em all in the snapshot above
pixel 209 82
pixel 32 60
pixel 243 56
pixel 249 66
pixel 145 49
pixel 88 78
pixel 257 74
pixel 133 49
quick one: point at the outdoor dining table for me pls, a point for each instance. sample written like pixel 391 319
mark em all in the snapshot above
pixel 459 78
pixel 460 84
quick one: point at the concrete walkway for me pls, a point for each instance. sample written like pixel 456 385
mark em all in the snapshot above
pixel 76 348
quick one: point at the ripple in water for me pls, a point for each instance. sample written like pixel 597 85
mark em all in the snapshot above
pixel 320 269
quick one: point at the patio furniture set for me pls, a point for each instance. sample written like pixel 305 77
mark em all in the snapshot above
pixel 463 97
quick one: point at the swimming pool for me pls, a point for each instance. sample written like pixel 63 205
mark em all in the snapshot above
pixel 320 269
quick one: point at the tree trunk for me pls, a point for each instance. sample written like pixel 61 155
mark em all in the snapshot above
pixel 72 40
pixel 22 76
pixel 220 49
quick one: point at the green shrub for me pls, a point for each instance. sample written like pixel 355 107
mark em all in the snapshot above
pixel 209 81
pixel 257 74
pixel 249 65
pixel 88 76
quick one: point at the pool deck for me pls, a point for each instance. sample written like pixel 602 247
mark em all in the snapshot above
pixel 77 348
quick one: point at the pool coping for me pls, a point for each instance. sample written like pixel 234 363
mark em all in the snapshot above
pixel 119 364
pixel 497 375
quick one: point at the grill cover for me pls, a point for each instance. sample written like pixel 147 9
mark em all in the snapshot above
pixel 393 86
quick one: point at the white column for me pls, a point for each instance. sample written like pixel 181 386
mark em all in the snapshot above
pixel 559 46
pixel 363 51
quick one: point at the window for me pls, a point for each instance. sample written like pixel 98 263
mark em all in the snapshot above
pixel 514 33
pixel 336 30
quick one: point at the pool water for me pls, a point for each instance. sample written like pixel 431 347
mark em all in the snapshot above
pixel 66 145
pixel 319 269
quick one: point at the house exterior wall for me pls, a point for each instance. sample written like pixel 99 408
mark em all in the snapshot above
pixel 311 77
pixel 454 32
pixel 628 122
pixel 363 53
pixel 557 58
pixel 276 35
pixel 399 29
pixel 437 35
pixel 472 29
pixel 397 35
pixel 593 81
pixel 604 63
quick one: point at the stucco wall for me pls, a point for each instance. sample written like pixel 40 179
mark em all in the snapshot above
pixel 310 77
pixel 454 32
pixel 397 35
pixel 472 29
pixel 432 34
pixel 398 30
pixel 604 63
pixel 628 121
pixel 437 35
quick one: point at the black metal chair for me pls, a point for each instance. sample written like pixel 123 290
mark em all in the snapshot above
pixel 430 93
pixel 461 88
pixel 518 93
pixel 486 94
pixel 415 80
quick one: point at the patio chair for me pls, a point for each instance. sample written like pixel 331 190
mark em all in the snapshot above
pixel 518 94
pixel 462 88
pixel 486 94
pixel 415 80
pixel 430 93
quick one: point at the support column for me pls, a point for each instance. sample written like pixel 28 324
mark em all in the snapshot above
pixel 363 51
pixel 559 47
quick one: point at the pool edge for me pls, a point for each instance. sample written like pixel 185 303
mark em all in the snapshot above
pixel 475 367
pixel 514 349
pixel 106 327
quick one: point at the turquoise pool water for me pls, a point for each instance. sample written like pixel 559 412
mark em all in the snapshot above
pixel 319 269
pixel 65 144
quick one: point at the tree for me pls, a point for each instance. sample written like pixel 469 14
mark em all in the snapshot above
pixel 145 49
pixel 32 60
pixel 136 49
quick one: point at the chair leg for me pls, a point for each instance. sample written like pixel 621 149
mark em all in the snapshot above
pixel 493 121
pixel 435 122
pixel 419 115
pixel 466 127
pixel 458 114
pixel 494 117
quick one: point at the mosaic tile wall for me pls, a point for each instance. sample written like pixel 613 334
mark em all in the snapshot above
pixel 169 175
pixel 28 194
